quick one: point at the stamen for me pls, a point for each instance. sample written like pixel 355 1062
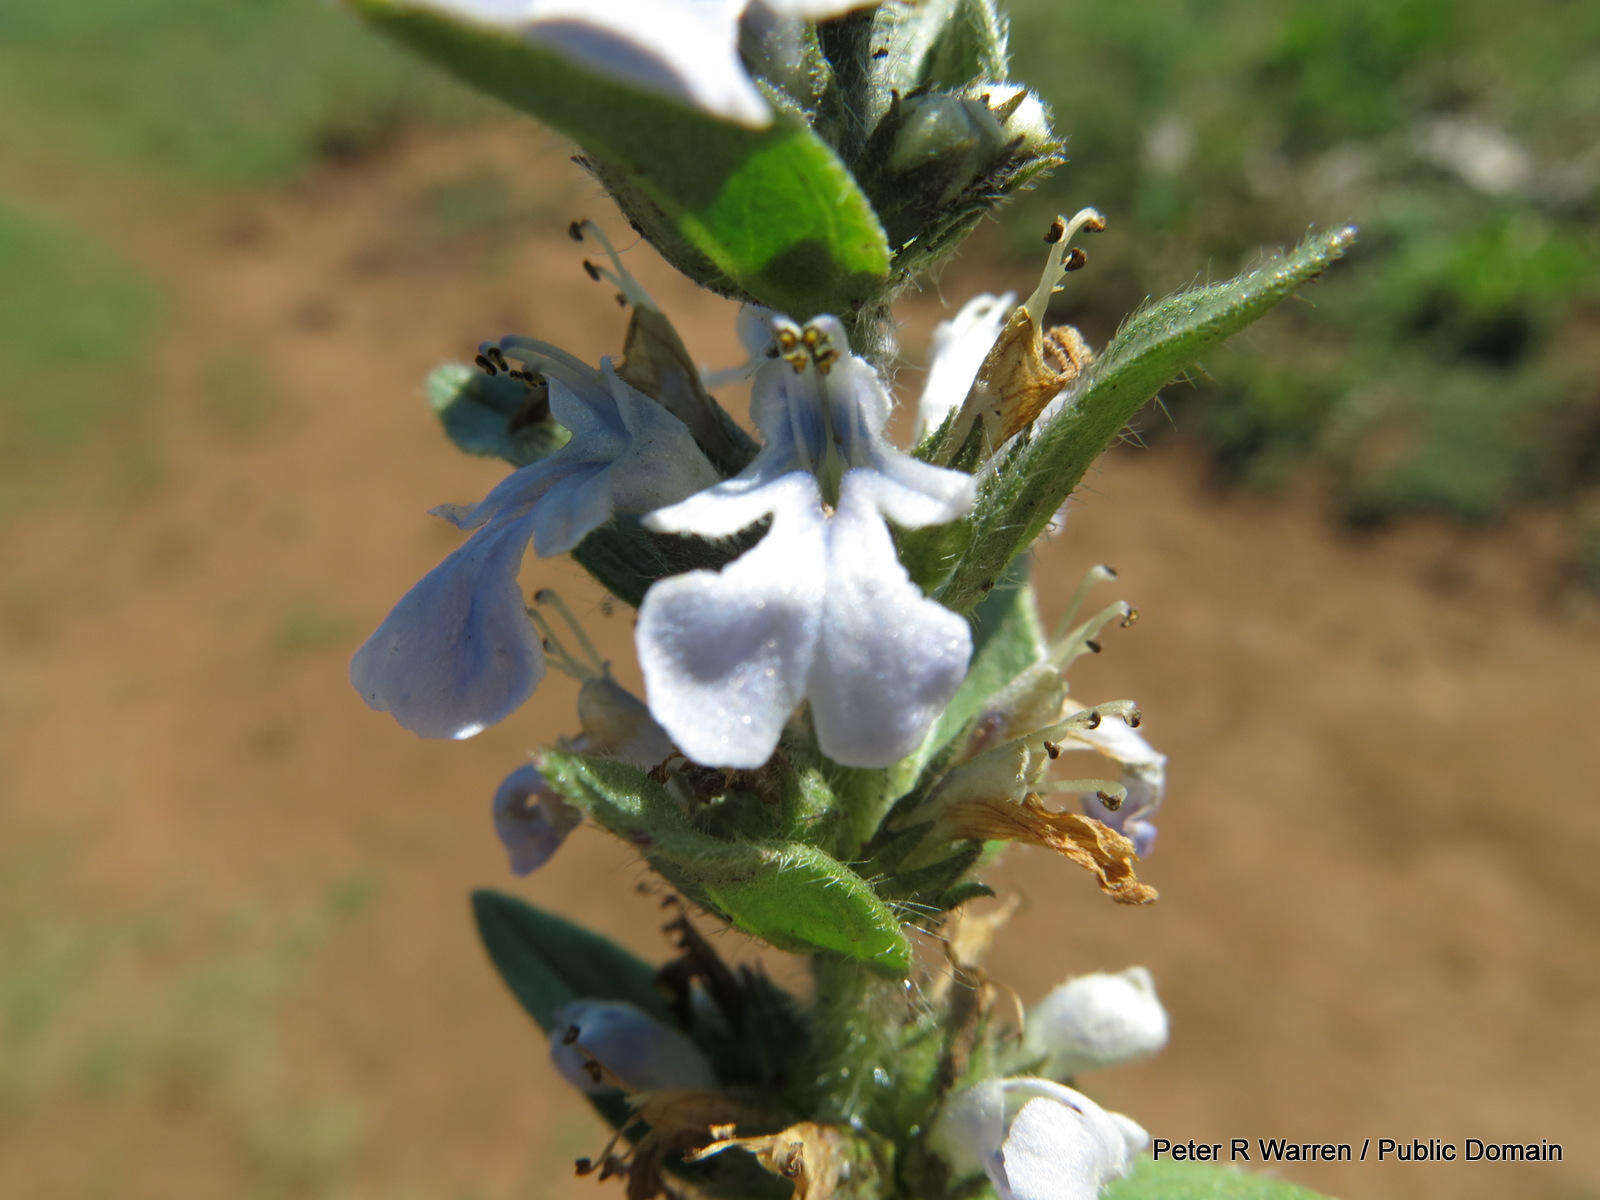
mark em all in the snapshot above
pixel 824 354
pixel 549 596
pixel 1086 720
pixel 1082 638
pixel 1108 793
pixel 545 359
pixel 631 289
pixel 1061 259
pixel 560 657
pixel 1096 574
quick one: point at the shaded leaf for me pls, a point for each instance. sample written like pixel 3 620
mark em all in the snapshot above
pixel 548 962
pixel 626 558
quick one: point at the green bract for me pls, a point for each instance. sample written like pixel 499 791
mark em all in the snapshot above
pixel 1154 346
pixel 788 893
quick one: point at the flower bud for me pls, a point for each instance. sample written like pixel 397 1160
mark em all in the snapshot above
pixel 616 722
pixel 604 1045
pixel 1036 1140
pixel 531 819
pixel 1097 1021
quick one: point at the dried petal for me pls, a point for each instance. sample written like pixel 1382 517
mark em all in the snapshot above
pixel 1091 844
pixel 815 1157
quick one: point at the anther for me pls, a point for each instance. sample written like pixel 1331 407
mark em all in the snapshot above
pixel 549 596
pixel 1092 721
pixel 632 290
pixel 575 231
pixel 582 1167
pixel 570 1035
pixel 1092 646
pixel 1111 800
pixel 1131 619
pixel 1061 259
pixel 1053 749
pixel 484 365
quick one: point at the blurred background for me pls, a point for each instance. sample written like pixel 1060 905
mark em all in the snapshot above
pixel 235 956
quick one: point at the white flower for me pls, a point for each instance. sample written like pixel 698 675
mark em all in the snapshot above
pixel 458 653
pixel 1097 1021
pixel 1037 1140
pixel 685 49
pixel 959 347
pixel 820 609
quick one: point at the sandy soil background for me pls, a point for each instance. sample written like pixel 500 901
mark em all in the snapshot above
pixel 236 897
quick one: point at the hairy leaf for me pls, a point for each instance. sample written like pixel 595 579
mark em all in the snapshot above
pixel 792 895
pixel 1155 345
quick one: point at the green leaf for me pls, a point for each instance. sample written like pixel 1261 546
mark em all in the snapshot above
pixel 490 415
pixel 1169 1180
pixel 548 962
pixel 1006 639
pixel 789 894
pixel 771 213
pixel 1154 345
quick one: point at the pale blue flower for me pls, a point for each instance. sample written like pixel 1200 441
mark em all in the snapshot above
pixel 606 1045
pixel 821 609
pixel 531 819
pixel 458 653
pixel 1036 1140
pixel 685 49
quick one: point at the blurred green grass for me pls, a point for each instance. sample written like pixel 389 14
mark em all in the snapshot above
pixel 198 95
pixel 217 92
pixel 1452 364
pixel 174 1007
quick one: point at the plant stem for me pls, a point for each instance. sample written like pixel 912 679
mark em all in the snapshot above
pixel 853 1037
